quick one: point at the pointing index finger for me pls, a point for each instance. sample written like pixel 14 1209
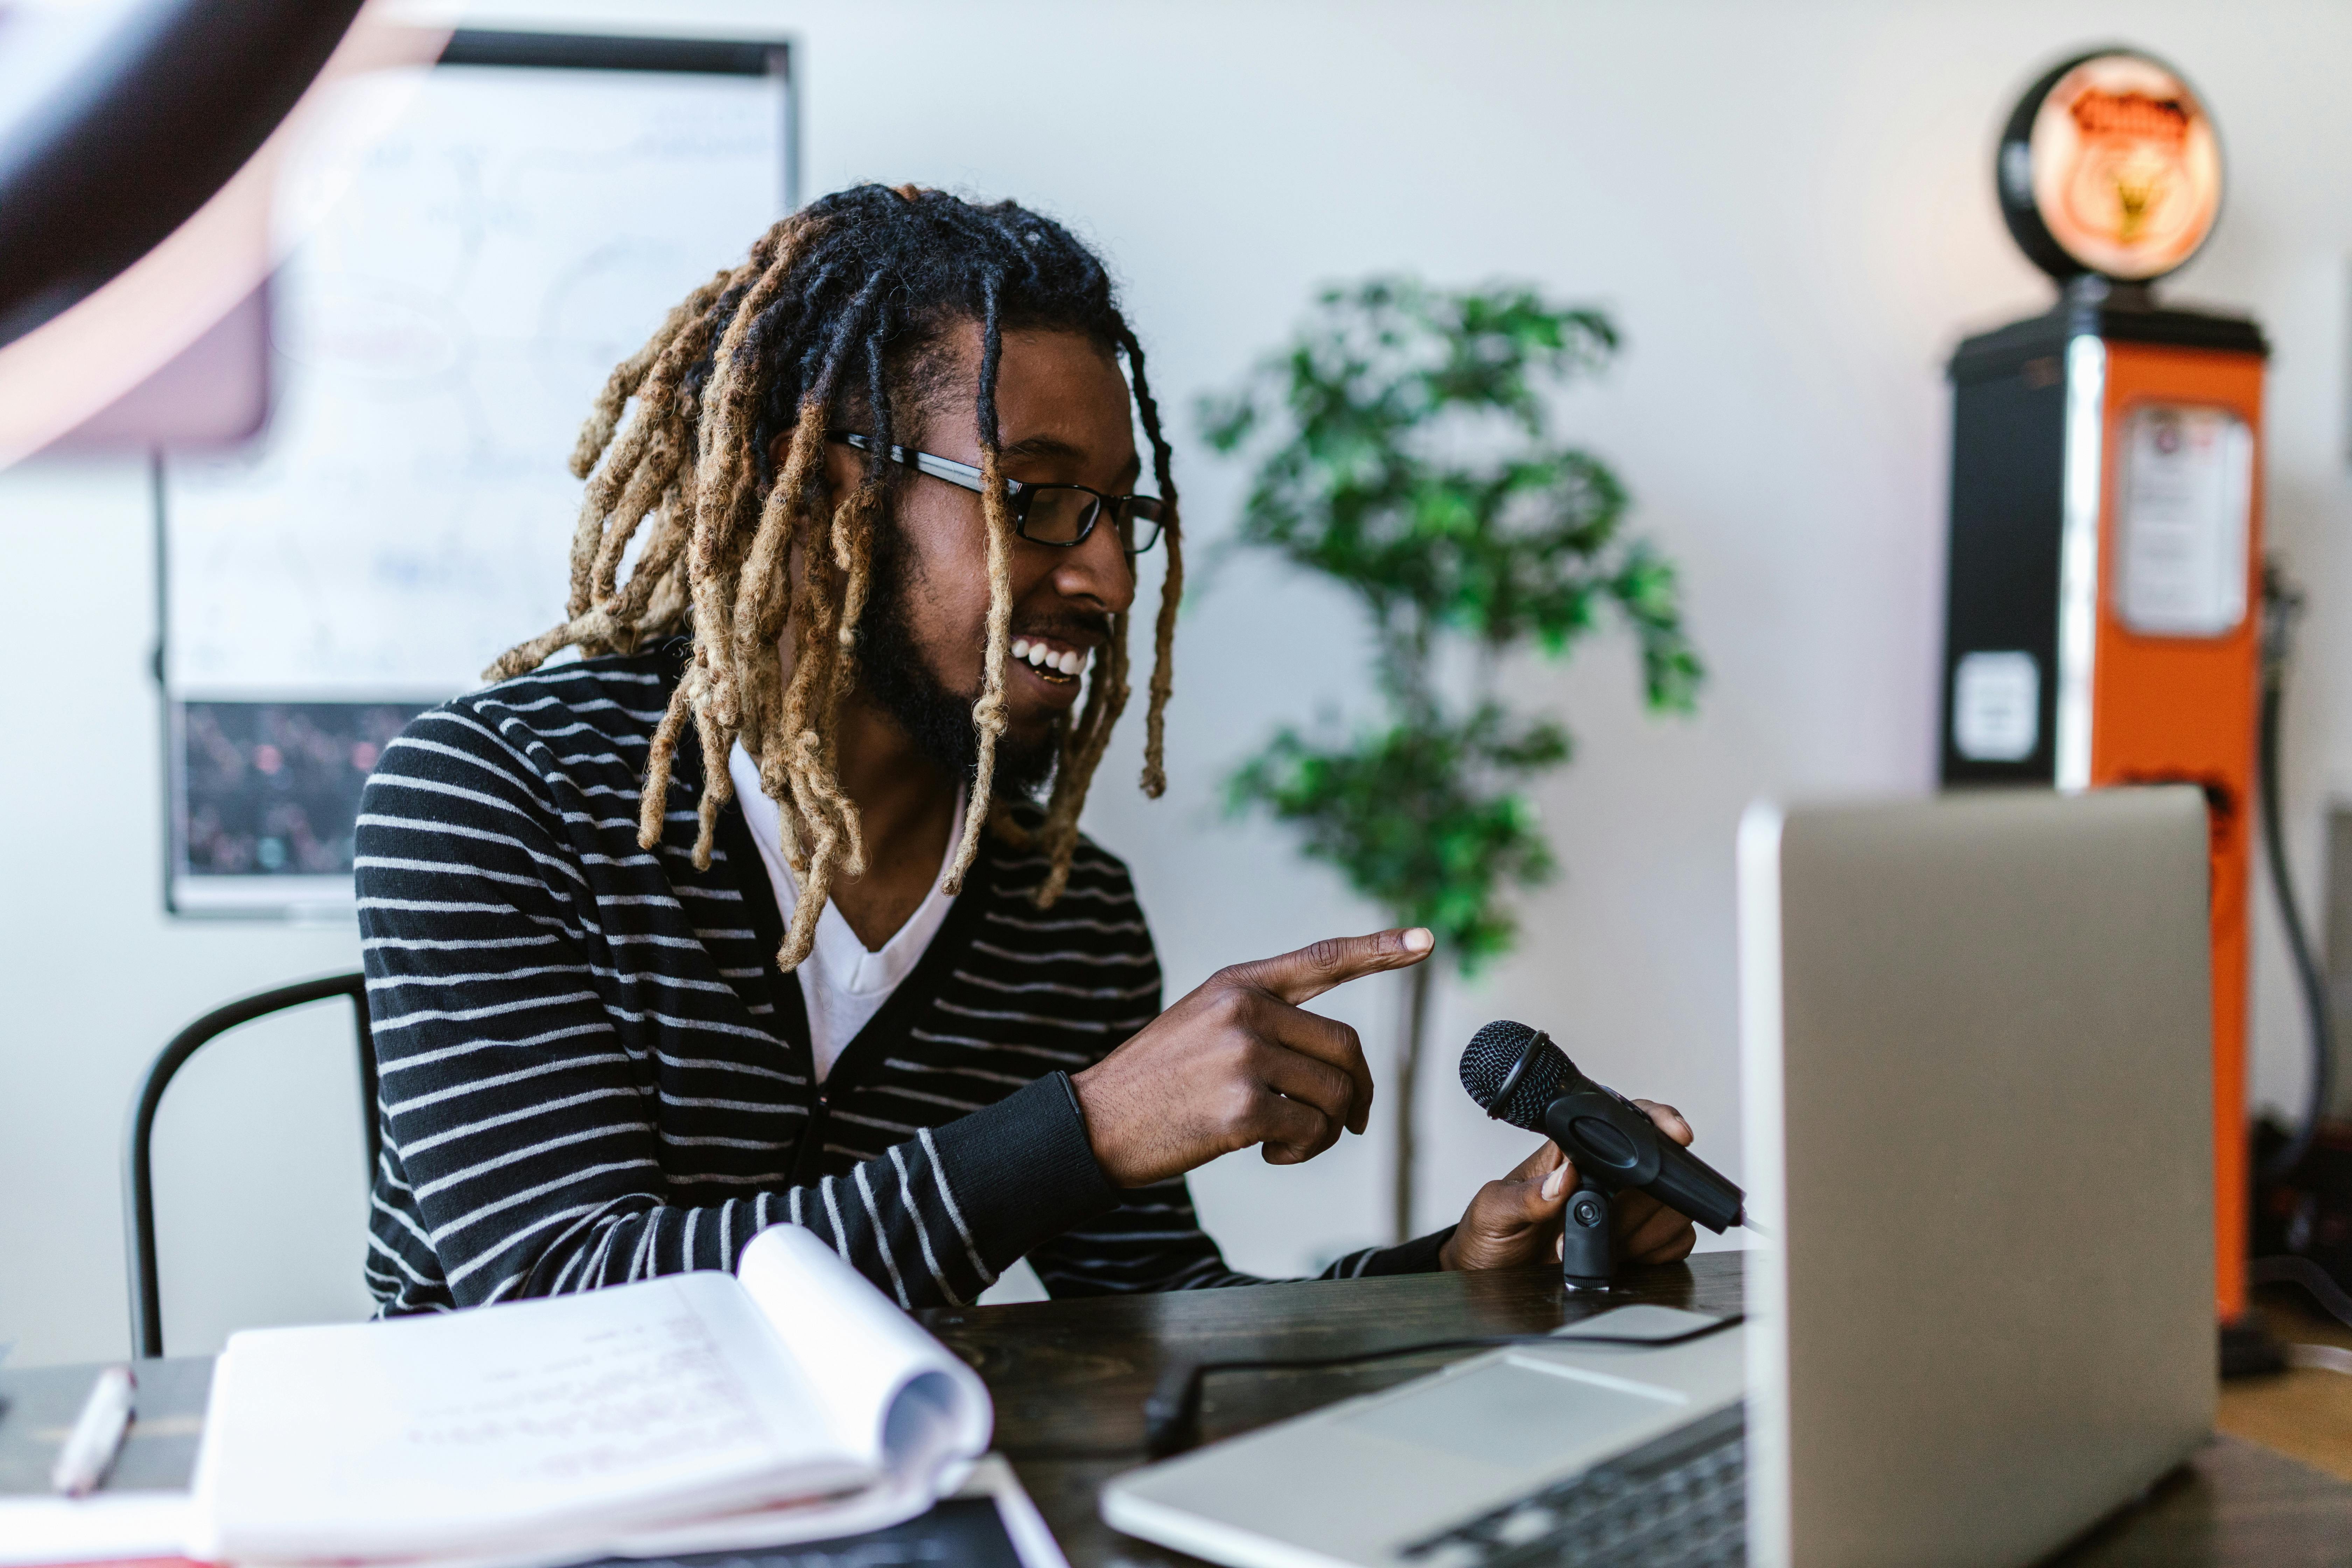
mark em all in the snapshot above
pixel 1299 977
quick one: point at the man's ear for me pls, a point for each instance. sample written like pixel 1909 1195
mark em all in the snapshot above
pixel 844 466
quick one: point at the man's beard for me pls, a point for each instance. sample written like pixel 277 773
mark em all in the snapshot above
pixel 892 674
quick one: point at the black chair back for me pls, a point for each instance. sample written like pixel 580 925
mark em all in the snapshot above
pixel 146 1289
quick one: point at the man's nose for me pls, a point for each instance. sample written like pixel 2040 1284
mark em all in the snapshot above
pixel 1097 571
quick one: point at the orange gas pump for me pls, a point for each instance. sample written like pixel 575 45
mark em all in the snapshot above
pixel 2103 620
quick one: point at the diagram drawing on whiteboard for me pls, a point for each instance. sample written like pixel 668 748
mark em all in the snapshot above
pixel 483 240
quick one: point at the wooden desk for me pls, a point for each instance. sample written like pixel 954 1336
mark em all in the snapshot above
pixel 1070 1378
pixel 2305 1413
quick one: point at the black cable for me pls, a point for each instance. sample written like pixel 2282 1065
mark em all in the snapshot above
pixel 1171 1416
pixel 2303 1271
pixel 2280 603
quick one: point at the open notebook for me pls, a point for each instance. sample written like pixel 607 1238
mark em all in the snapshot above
pixel 699 1412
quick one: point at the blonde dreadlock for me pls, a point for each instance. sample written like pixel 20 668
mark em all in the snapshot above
pixel 857 284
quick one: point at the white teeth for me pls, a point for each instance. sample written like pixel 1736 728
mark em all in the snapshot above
pixel 1041 657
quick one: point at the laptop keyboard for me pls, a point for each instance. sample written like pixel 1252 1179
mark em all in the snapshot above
pixel 1678 1503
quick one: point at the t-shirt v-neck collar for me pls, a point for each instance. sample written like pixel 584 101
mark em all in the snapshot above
pixel 844 982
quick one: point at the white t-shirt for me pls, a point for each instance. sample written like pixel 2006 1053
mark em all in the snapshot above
pixel 842 984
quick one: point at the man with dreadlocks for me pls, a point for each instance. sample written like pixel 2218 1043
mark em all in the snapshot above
pixel 830 964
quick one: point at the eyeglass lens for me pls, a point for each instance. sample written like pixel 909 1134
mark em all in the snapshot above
pixel 1061 514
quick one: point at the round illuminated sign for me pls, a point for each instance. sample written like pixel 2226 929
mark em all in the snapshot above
pixel 2110 166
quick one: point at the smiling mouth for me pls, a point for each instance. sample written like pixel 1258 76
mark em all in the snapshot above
pixel 1055 663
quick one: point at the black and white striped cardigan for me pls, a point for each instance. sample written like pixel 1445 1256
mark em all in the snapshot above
pixel 592 1071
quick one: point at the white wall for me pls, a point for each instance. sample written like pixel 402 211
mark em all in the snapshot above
pixel 1786 206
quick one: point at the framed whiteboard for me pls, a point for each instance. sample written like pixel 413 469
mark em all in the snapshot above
pixel 518 219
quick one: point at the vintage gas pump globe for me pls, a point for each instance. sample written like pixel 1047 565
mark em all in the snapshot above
pixel 2110 166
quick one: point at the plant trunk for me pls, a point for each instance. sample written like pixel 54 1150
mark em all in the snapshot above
pixel 1416 1018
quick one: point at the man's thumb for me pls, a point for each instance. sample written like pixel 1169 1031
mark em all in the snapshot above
pixel 1533 1197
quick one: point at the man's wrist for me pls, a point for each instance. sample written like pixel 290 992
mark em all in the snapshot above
pixel 1084 1087
pixel 1077 1083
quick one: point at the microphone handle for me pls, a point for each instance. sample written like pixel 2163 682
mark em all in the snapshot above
pixel 1687 1183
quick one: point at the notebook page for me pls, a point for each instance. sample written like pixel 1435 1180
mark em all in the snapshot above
pixel 903 1402
pixel 462 1433
pixel 105 1527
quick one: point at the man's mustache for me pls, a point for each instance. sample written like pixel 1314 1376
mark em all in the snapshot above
pixel 1070 628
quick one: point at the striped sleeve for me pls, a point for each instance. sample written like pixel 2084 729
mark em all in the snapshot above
pixel 1153 1241
pixel 522 1153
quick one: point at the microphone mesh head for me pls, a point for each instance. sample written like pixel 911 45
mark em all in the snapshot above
pixel 1487 1061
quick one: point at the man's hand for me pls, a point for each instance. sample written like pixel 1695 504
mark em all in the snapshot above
pixel 1239 1062
pixel 1517 1219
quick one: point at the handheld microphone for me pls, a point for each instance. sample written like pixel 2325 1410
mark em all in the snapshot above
pixel 1518 1076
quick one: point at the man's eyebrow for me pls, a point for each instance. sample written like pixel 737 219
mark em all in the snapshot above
pixel 1051 448
pixel 1042 447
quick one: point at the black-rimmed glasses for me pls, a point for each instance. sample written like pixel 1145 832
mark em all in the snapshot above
pixel 1058 515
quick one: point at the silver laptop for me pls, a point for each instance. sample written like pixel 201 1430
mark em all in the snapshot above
pixel 1976 1068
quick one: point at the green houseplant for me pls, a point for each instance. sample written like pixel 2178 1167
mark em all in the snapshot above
pixel 1402 448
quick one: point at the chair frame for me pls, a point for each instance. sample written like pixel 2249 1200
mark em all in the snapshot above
pixel 139 1186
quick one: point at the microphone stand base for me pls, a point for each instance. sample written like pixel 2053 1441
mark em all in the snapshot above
pixel 1588 1249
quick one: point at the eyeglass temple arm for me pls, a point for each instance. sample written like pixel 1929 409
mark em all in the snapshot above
pixel 946 468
